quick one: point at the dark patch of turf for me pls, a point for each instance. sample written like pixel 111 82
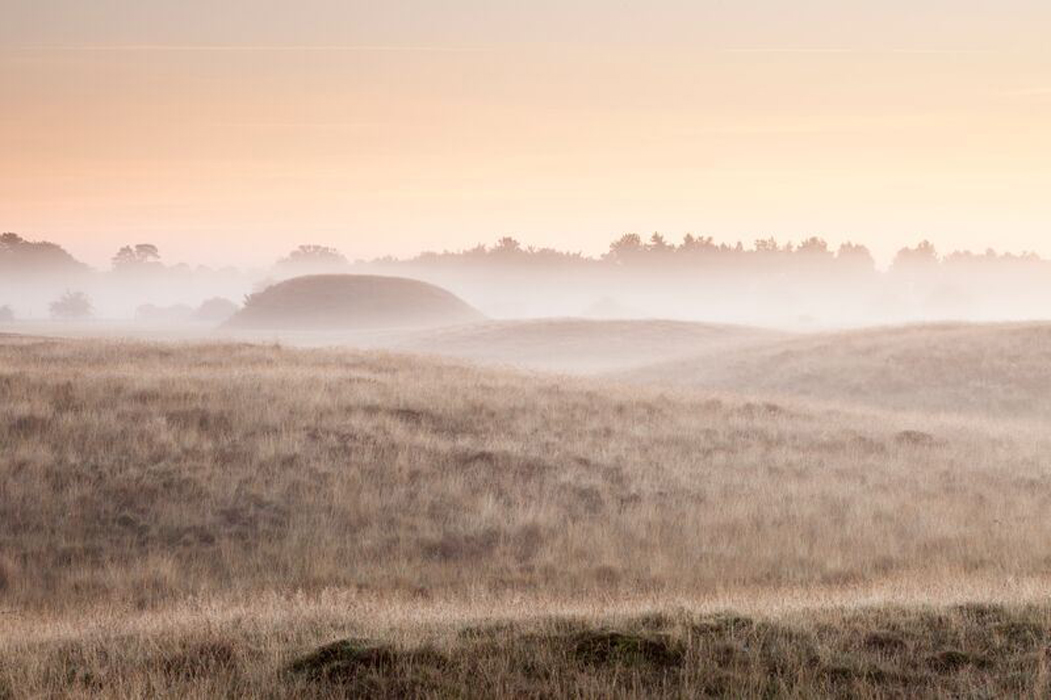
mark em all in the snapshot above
pixel 608 647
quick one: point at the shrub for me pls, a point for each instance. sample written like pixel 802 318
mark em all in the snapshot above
pixel 71 306
pixel 215 310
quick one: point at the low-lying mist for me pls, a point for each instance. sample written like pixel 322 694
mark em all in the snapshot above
pixel 792 286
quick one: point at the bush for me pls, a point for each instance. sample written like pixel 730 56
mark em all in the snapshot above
pixel 7 314
pixel 71 306
pixel 215 310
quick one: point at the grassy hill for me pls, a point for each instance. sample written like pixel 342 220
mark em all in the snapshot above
pixel 351 302
pixel 190 468
pixel 581 346
pixel 993 370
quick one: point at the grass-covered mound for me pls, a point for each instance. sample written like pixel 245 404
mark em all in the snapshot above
pixel 352 302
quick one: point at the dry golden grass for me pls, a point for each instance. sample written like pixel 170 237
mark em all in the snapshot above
pixel 188 519
pixel 582 346
pixel 993 370
pixel 340 647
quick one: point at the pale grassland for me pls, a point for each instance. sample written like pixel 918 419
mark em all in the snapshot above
pixel 188 518
pixel 991 370
pixel 582 346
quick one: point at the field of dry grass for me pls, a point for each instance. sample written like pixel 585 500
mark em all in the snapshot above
pixel 192 518
pixel 994 370
pixel 582 346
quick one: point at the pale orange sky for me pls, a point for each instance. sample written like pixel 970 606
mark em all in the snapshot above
pixel 231 131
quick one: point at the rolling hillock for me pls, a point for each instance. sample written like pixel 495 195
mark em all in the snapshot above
pixel 997 370
pixel 351 302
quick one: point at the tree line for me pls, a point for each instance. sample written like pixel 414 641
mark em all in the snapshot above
pixel 755 271
pixel 19 255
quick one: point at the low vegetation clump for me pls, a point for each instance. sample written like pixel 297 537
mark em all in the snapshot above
pixel 212 311
pixel 215 310
pixel 71 306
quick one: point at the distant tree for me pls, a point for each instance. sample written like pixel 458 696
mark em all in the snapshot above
pixel 697 244
pixel 314 257
pixel 7 314
pixel 505 250
pixel 967 260
pixel 814 246
pixel 658 244
pixel 813 259
pixel 855 257
pixel 23 257
pixel 769 245
pixel 71 306
pixel 130 257
pixel 215 310
pixel 624 248
pixel 922 258
pixel 507 246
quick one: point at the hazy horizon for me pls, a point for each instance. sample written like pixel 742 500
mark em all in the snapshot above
pixel 408 127
pixel 262 260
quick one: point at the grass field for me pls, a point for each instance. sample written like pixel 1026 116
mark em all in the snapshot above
pixel 198 518
pixel 582 346
pixel 993 371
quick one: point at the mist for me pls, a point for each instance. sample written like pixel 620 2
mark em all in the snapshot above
pixel 793 286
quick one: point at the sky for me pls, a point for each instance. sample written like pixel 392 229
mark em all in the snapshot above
pixel 229 131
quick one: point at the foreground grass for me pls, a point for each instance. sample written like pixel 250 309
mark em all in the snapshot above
pixel 969 651
pixel 145 486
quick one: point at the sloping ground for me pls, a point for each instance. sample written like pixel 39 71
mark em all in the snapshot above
pixel 351 302
pixel 580 345
pixel 996 370
pixel 144 472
